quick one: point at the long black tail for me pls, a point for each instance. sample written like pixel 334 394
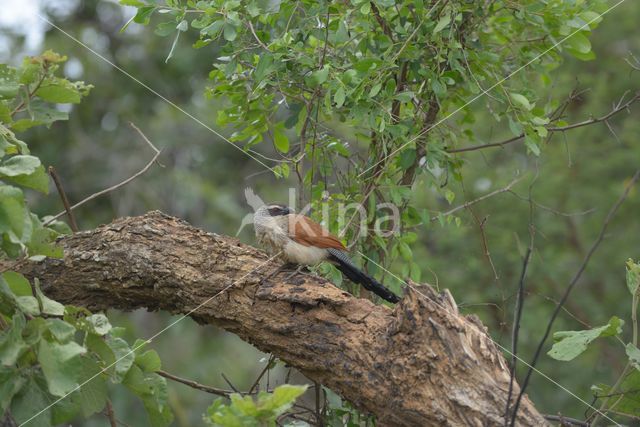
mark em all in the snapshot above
pixel 344 264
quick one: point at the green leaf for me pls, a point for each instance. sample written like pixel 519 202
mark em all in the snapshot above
pixel 123 355
pixel 60 365
pixel 579 43
pixel 339 97
pixel 98 324
pixel 149 361
pixel 633 353
pixel 163 29
pixel 521 100
pixel 12 345
pixel 404 96
pixel 339 147
pixel 36 327
pixel 629 401
pixel 66 410
pixel 214 29
pixel 405 251
pixel 230 32
pixel 31 400
pixel 59 91
pixel 182 26
pixel 531 142
pixel 9 84
pixel 439 88
pixel 633 276
pixel 42 113
pixel 280 139
pixel 318 77
pixel 61 330
pixel 135 3
pixel 12 210
pixel 37 180
pixel 93 395
pixel 29 305
pixel 264 67
pixel 442 23
pixel 407 158
pixel 570 344
pixel 375 90
pixel 11 381
pixel 143 16
pixel 19 165
pixel 18 284
pixel 49 306
pixel 283 398
pixel 152 389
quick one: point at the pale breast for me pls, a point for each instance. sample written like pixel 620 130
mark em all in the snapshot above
pixel 305 255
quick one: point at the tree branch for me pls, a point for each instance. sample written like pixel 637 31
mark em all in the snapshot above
pixel 616 110
pixel 418 364
pixel 116 186
pixel 196 385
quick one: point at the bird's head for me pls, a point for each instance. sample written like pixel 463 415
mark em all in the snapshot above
pixel 274 210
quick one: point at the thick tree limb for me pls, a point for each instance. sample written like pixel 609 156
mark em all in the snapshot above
pixel 416 365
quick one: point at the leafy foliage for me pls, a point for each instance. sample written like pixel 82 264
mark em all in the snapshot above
pixel 48 350
pixel 247 412
pixel 392 71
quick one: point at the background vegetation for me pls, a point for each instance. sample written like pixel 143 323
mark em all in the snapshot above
pixel 477 254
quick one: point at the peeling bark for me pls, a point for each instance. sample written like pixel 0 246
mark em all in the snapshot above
pixel 418 364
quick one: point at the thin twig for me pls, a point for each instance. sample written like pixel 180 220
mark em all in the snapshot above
pixel 196 385
pixel 479 199
pixel 110 415
pixel 264 371
pixel 567 292
pixel 554 211
pixel 564 421
pixel 318 411
pixel 224 377
pixel 121 184
pixel 520 301
pixel 65 201
pixel 253 31
pixel 618 108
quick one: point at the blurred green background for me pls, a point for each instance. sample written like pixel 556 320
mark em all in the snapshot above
pixel 580 175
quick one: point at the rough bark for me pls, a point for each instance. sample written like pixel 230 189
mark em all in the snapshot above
pixel 418 364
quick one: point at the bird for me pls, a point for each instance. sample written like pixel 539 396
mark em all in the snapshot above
pixel 300 240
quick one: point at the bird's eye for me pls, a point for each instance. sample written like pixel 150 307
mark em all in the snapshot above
pixel 278 211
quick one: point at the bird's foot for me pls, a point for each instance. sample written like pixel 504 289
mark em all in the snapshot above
pixel 298 269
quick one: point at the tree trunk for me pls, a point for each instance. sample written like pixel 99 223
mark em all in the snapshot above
pixel 418 364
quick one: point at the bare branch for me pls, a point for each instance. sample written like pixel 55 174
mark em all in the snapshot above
pixel 479 199
pixel 196 385
pixel 618 109
pixel 565 421
pixel 110 414
pixel 65 201
pixel 253 31
pixel 116 186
